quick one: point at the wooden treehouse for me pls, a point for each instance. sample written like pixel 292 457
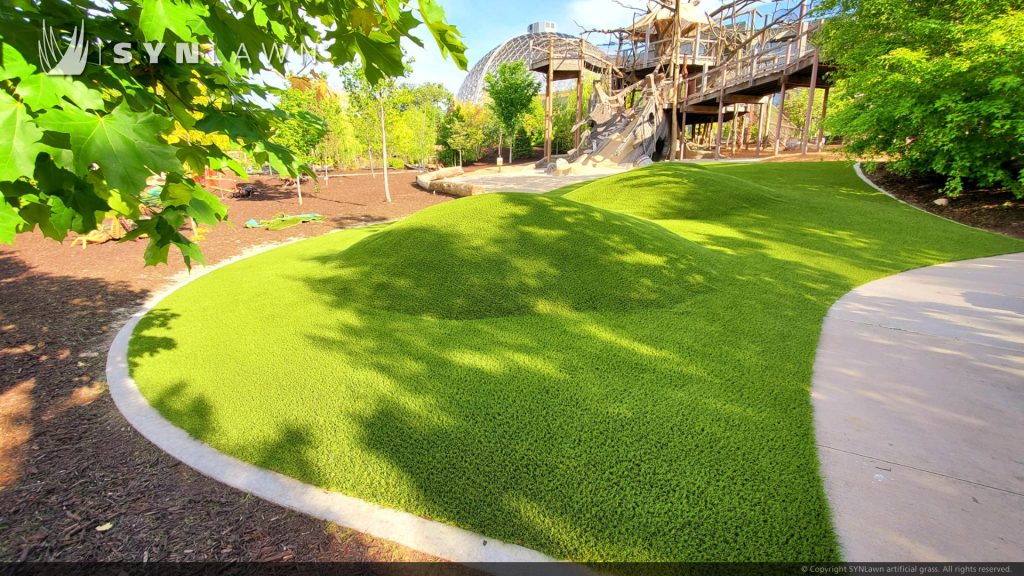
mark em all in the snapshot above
pixel 701 71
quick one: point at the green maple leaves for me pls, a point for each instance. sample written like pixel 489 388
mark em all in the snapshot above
pixel 75 149
pixel 181 18
pixel 122 143
pixel 20 144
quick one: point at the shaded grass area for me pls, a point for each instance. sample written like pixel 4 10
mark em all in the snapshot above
pixel 619 371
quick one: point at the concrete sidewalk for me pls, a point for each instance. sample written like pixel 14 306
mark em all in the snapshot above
pixel 919 412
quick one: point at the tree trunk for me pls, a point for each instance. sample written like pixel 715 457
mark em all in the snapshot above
pixel 384 152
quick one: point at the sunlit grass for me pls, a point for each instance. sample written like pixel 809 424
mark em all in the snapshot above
pixel 619 371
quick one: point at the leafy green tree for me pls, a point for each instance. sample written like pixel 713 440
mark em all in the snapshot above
pixel 324 136
pixel 796 108
pixel 415 135
pixel 302 131
pixel 372 111
pixel 419 110
pixel 512 89
pixel 412 114
pixel 463 132
pixel 73 148
pixel 936 86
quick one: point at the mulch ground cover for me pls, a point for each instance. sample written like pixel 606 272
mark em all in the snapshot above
pixel 995 210
pixel 77 483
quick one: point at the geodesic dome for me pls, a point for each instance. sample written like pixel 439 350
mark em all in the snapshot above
pixel 524 48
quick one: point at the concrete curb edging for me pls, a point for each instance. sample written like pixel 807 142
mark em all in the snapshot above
pixel 860 172
pixel 430 537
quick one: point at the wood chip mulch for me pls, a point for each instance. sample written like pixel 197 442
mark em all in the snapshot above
pixel 993 210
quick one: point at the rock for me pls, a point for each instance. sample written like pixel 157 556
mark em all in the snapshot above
pixel 455 188
pixel 424 180
pixel 644 160
pixel 941 202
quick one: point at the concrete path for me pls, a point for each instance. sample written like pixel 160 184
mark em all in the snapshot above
pixel 919 411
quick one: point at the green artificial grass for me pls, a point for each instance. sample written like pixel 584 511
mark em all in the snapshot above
pixel 615 371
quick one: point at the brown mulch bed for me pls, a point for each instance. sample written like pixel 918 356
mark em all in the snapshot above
pixel 69 462
pixel 994 210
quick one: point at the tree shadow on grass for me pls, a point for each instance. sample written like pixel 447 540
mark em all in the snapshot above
pixel 521 254
pixel 592 431
pixel 583 382
pixel 144 343
pixel 675 433
pixel 813 210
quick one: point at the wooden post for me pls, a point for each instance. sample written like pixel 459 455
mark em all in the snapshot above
pixel 548 124
pixel 733 134
pixel 821 127
pixel 801 38
pixel 686 93
pixel 384 151
pixel 298 188
pixel 718 137
pixel 576 138
pixel 762 125
pixel 778 121
pixel 810 104
pixel 745 127
pixel 675 84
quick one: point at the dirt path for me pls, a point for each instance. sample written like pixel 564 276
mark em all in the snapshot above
pixel 69 463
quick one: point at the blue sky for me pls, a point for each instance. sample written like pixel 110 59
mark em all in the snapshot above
pixel 486 23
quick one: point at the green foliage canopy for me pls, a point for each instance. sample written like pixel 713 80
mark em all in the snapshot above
pixel 413 115
pixel 303 131
pixel 936 86
pixel 465 131
pixel 73 148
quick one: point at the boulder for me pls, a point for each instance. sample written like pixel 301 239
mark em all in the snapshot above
pixel 941 202
pixel 455 188
pixel 424 180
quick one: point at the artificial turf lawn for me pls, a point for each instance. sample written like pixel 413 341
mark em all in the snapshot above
pixel 616 371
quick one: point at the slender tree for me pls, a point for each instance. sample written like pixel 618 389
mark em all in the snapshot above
pixel 511 89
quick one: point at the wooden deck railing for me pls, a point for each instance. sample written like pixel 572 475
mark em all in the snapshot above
pixel 747 69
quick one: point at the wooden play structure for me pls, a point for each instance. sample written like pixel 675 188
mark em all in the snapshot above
pixel 676 76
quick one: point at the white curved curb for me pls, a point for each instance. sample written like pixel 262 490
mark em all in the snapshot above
pixel 427 536
pixel 860 172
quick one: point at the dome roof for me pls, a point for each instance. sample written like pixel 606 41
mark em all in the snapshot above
pixel 523 48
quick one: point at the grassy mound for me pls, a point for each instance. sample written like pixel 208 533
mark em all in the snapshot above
pixel 665 191
pixel 513 254
pixel 556 371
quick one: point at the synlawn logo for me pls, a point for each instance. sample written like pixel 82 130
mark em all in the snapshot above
pixel 67 62
pixel 70 60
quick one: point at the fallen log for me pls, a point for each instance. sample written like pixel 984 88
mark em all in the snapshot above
pixel 424 180
pixel 456 188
